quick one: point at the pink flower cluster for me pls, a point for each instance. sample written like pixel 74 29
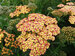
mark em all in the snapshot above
pixel 60 5
pixel 67 8
pixel 36 30
pixel 70 3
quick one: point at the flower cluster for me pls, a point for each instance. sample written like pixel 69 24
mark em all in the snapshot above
pixel 15 44
pixel 20 9
pixel 70 3
pixel 36 30
pixel 72 19
pixel 32 6
pixel 8 40
pixel 12 23
pixel 69 31
pixel 68 34
pixel 68 9
pixel 60 5
pixel 6 51
pixel 1 35
pixel 57 13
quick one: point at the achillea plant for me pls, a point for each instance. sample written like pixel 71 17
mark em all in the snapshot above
pixel 67 34
pixel 36 30
pixel 20 9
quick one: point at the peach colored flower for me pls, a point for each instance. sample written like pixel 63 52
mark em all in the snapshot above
pixel 70 3
pixel 60 5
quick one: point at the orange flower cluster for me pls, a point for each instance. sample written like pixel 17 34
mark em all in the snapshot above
pixel 20 9
pixel 6 51
pixel 15 44
pixel 9 41
pixel 36 30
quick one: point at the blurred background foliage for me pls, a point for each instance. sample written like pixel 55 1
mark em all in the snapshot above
pixel 61 46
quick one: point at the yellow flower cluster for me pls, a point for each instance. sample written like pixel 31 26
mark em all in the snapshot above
pixel 20 9
pixel 1 35
pixel 36 30
pixel 72 19
pixel 37 44
pixel 6 51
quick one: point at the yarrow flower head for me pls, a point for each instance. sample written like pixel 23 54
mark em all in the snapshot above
pixel 70 3
pixel 9 41
pixel 32 5
pixel 68 8
pixel 67 34
pixel 20 9
pixel 57 13
pixel 36 30
pixel 72 19
pixel 1 35
pixel 6 51
pixel 60 5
